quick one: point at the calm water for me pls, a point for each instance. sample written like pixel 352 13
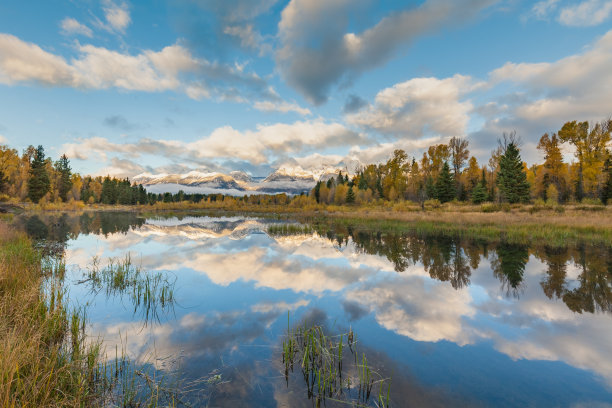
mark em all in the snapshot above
pixel 454 322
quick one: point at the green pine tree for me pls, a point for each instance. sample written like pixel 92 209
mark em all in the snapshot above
pixel 38 183
pixel 606 192
pixel 62 166
pixel 445 185
pixel 350 195
pixel 511 179
pixel 480 193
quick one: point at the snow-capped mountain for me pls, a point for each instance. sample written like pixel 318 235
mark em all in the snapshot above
pixel 286 179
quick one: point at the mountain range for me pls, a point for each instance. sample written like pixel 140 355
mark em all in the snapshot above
pixel 286 179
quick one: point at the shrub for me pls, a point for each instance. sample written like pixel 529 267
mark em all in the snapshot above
pixel 432 204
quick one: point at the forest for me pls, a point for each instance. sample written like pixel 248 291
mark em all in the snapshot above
pixel 444 173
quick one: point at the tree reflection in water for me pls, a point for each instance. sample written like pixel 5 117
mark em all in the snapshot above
pixel 452 259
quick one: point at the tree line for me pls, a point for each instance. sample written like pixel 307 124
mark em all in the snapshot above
pixel 447 172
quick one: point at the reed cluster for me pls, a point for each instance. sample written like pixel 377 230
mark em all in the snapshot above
pixel 332 368
pixel 45 359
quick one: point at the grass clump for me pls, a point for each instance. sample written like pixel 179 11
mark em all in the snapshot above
pixel 332 368
pixel 148 292
pixel 44 358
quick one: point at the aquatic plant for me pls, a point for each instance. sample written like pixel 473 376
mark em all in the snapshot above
pixel 148 292
pixel 327 372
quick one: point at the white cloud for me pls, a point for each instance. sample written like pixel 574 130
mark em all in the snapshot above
pixel 172 68
pixel 258 146
pixel 3 139
pixel 312 69
pixel 586 13
pixel 117 16
pixel 70 26
pixel 576 86
pixel 542 9
pixel 418 107
pixel 284 107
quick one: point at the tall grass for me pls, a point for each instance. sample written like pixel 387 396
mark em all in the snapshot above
pixel 44 360
pixel 46 357
pixel 149 293
pixel 328 373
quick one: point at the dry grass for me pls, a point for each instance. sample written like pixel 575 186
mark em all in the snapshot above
pixel 44 360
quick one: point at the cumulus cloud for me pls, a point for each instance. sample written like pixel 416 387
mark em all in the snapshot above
pixel 172 68
pixel 3 139
pixel 284 107
pixel 578 85
pixel 542 9
pixel 316 51
pixel 586 13
pixel 259 146
pixel 117 16
pixel 418 107
pixel 70 26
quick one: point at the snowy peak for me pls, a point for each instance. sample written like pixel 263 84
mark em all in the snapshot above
pixel 290 179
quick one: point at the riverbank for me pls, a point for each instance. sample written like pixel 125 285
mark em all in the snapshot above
pixel 44 358
pixel 532 223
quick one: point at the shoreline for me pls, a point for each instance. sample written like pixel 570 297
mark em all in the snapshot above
pixel 553 225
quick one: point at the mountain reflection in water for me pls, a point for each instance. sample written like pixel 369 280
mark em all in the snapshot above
pixel 454 321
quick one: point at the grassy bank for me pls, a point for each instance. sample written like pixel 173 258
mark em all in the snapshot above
pixel 44 360
pixel 556 225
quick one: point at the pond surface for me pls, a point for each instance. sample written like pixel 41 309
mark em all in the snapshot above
pixel 453 322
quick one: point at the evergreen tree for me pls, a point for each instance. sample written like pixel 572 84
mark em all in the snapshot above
pixel 363 183
pixel 606 192
pixel 350 195
pixel 445 185
pixel 479 193
pixel 38 183
pixel 62 166
pixel 430 187
pixel 317 191
pixel 511 179
pixel 109 191
pixel 3 181
pixel 340 179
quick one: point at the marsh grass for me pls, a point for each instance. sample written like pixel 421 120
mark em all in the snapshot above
pixel 149 293
pixel 44 360
pixel 46 356
pixel 332 367
pixel 290 229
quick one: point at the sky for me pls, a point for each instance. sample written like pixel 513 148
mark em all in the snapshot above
pixel 171 86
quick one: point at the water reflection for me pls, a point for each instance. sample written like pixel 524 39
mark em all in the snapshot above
pixel 458 321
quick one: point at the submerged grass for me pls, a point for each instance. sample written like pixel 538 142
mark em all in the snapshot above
pixel 329 375
pixel 149 293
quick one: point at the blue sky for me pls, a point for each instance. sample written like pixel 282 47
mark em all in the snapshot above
pixel 214 85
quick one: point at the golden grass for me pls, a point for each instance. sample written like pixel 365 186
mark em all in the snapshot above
pixel 44 360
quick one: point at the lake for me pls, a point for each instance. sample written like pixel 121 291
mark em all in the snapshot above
pixel 450 321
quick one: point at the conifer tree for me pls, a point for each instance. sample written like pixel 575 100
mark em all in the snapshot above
pixel 479 193
pixel 445 185
pixel 350 195
pixel 38 183
pixel 511 178
pixel 606 192
pixel 62 166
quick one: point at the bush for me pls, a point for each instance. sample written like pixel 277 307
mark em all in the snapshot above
pixel 432 204
pixel 591 201
pixel 489 208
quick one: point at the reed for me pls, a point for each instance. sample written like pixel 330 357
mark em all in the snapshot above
pixel 46 356
pixel 149 293
pixel 328 375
